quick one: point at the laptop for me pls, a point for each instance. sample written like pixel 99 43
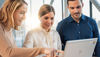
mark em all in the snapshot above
pixel 80 48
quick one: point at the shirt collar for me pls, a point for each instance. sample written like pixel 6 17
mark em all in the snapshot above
pixel 44 29
pixel 83 17
pixel 70 19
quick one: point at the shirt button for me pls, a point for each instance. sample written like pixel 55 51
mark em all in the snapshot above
pixel 79 32
pixel 77 24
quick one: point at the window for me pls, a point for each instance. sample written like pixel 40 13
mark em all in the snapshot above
pixel 96 15
pixel 32 20
pixel 58 11
pixel 86 7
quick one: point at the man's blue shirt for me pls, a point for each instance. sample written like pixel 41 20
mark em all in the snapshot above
pixel 71 30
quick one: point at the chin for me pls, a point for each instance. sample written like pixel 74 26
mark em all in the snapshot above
pixel 49 27
pixel 18 24
pixel 76 17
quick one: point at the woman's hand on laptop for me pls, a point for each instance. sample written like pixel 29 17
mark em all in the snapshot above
pixel 52 52
pixel 60 51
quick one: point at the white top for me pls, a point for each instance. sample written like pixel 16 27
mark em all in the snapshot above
pixel 39 37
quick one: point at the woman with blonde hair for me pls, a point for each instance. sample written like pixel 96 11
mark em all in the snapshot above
pixel 12 14
pixel 44 36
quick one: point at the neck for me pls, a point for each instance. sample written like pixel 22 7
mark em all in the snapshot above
pixel 77 20
pixel 47 30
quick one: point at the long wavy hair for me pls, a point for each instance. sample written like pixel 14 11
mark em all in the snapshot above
pixel 7 11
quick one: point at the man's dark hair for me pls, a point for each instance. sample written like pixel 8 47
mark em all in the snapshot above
pixel 72 0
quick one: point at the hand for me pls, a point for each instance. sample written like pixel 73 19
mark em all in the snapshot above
pixel 51 56
pixel 50 52
pixel 55 54
pixel 59 51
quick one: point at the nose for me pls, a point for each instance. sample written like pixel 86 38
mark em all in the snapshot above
pixel 76 10
pixel 49 21
pixel 24 16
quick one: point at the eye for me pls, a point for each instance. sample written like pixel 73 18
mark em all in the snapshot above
pixel 78 7
pixel 52 18
pixel 22 12
pixel 71 7
pixel 46 18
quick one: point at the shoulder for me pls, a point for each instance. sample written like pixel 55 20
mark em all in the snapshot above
pixel 33 31
pixel 61 23
pixel 90 20
pixel 55 34
pixel 64 20
pixel 54 31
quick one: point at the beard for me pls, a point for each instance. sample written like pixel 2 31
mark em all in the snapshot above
pixel 77 15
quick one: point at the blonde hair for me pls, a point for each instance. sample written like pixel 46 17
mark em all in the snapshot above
pixel 44 9
pixel 7 11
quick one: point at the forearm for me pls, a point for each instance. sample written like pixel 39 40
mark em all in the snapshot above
pixel 22 52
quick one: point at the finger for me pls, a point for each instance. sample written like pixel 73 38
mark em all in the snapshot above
pixel 53 52
pixel 59 51
pixel 56 56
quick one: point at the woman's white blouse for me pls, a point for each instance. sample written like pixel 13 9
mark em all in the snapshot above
pixel 40 38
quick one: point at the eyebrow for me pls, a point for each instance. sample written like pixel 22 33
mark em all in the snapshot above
pixel 75 7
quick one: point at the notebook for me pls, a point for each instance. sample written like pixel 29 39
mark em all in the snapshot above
pixel 80 48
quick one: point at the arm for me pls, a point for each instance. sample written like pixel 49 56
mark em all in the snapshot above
pixel 57 41
pixel 96 35
pixel 60 31
pixel 60 52
pixel 59 46
pixel 7 50
pixel 95 30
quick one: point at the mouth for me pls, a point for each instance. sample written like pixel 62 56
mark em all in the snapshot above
pixel 20 21
pixel 48 25
pixel 77 14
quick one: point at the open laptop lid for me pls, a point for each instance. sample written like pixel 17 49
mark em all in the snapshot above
pixel 80 48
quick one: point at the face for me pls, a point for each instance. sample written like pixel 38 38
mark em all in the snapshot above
pixel 75 8
pixel 19 15
pixel 47 20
